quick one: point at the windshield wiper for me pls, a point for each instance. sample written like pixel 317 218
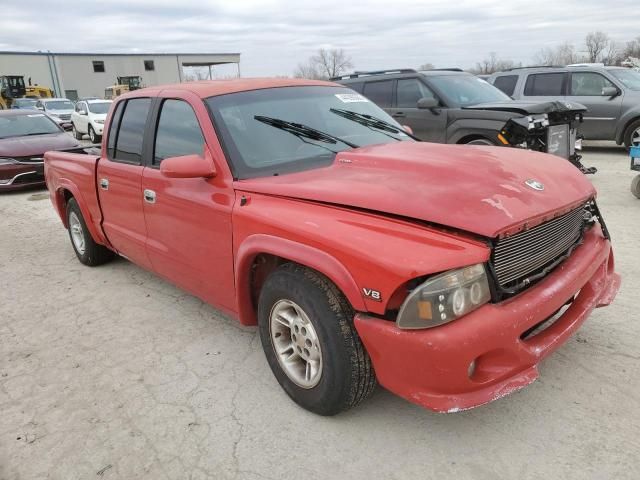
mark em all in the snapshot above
pixel 303 131
pixel 372 122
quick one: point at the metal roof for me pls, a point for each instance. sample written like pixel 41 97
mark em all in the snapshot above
pixel 132 54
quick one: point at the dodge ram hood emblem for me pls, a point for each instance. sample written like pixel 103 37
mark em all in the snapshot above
pixel 536 185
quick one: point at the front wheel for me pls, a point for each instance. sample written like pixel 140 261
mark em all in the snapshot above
pixel 308 336
pixel 87 250
pixel 480 141
pixel 76 134
pixel 632 135
pixel 635 186
pixel 93 136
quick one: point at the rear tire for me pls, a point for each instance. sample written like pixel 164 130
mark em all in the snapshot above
pixel 76 134
pixel 87 250
pixel 632 134
pixel 635 186
pixel 93 136
pixel 294 297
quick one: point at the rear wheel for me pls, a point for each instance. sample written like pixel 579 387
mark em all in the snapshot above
pixel 635 186
pixel 632 135
pixel 87 250
pixel 308 336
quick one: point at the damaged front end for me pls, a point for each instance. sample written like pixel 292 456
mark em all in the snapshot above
pixel 552 129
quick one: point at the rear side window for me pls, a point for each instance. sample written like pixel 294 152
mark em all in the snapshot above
pixel 506 83
pixel 410 90
pixel 178 132
pixel 545 84
pixel 130 136
pixel 113 129
pixel 380 93
pixel 588 84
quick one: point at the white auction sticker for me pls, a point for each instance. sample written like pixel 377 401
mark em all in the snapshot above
pixel 350 97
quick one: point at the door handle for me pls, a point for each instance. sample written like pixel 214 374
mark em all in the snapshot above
pixel 104 184
pixel 398 114
pixel 149 196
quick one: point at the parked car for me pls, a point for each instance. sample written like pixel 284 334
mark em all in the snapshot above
pixel 611 95
pixel 24 137
pixel 59 109
pixel 24 103
pixel 635 166
pixel 361 254
pixel 88 118
pixel 452 106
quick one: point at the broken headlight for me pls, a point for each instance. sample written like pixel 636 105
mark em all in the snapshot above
pixel 444 298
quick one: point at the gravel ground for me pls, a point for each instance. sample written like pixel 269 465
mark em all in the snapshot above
pixel 113 373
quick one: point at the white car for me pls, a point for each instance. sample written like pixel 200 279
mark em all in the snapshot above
pixel 59 109
pixel 88 118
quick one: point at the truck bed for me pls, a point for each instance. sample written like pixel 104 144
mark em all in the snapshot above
pixel 73 172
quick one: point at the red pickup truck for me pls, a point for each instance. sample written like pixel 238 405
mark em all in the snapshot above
pixel 445 273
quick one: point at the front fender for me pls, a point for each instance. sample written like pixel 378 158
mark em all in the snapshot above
pixel 629 116
pixel 311 257
pixel 461 129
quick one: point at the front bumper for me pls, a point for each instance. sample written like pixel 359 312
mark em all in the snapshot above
pixel 16 177
pixel 431 367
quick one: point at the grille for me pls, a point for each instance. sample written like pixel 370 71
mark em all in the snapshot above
pixel 524 254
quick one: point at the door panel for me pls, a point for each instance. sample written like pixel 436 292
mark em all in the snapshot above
pixel 121 204
pixel 602 112
pixel 428 125
pixel 189 234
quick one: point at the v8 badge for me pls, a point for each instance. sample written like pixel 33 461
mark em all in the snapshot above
pixel 372 294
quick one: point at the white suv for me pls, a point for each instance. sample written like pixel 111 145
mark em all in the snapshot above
pixel 88 118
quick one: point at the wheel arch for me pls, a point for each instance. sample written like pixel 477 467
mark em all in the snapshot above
pixel 622 133
pixel 64 193
pixel 271 251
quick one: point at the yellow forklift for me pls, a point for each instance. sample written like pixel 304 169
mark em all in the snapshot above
pixel 11 87
pixel 123 85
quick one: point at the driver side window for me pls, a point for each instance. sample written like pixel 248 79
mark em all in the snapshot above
pixel 178 132
pixel 411 90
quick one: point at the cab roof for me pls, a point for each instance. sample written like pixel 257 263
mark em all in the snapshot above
pixel 210 88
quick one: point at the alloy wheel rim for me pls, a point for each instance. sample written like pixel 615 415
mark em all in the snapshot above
pixel 92 135
pixel 77 236
pixel 295 343
pixel 635 138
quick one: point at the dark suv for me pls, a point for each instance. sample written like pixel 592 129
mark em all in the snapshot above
pixel 611 95
pixel 452 106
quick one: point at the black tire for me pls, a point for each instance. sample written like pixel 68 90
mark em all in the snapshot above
pixel 347 376
pixel 635 125
pixel 635 186
pixel 93 136
pixel 94 254
pixel 76 134
pixel 480 141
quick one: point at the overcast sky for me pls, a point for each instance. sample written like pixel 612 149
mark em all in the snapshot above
pixel 273 36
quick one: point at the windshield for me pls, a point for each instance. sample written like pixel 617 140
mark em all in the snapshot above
pixel 467 90
pixel 21 125
pixel 258 148
pixel 58 105
pixel 99 107
pixel 25 103
pixel 630 78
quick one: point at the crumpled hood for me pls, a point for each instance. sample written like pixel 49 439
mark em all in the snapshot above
pixel 35 144
pixel 472 188
pixel 530 108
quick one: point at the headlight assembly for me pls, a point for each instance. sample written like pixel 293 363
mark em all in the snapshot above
pixel 444 298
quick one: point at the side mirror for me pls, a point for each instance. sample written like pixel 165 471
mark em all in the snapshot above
pixel 188 166
pixel 40 107
pixel 610 92
pixel 82 112
pixel 427 103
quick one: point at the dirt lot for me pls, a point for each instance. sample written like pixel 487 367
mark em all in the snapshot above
pixel 113 373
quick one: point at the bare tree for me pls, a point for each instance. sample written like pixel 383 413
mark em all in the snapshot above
pixel 596 43
pixel 563 54
pixel 426 66
pixel 325 64
pixel 613 54
pixel 492 64
pixel 632 49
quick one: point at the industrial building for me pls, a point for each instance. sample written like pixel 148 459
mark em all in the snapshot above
pixel 75 75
